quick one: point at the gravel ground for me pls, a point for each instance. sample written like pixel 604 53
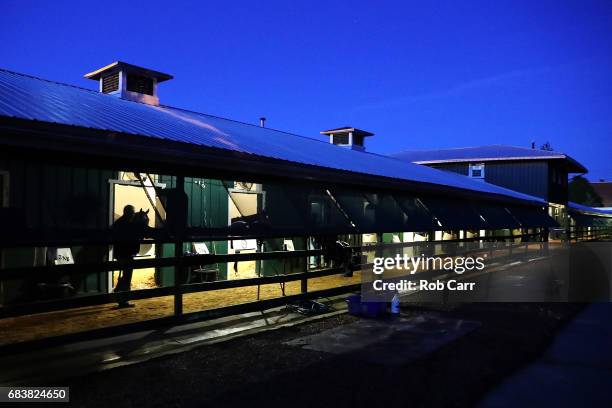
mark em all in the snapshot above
pixel 261 371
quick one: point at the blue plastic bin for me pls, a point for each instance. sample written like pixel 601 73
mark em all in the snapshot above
pixel 373 309
pixel 354 305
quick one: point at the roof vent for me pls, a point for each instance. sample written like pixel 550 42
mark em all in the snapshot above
pixel 348 137
pixel 129 82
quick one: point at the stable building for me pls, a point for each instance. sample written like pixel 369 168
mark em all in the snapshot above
pixel 229 205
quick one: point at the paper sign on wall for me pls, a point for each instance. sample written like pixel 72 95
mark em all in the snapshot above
pixel 200 248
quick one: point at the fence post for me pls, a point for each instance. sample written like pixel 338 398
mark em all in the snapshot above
pixel 511 244
pixel 304 283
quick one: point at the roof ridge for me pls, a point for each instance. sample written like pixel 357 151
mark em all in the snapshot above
pixel 49 80
pixel 527 148
pixel 477 147
pixel 447 148
pixel 160 105
pixel 92 91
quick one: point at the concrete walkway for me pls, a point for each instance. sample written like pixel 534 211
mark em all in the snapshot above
pixel 575 372
pixel 76 359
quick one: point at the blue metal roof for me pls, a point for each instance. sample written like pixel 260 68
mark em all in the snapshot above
pixel 587 209
pixel 484 153
pixel 27 97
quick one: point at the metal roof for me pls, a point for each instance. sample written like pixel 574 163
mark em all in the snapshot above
pixel 586 209
pixel 485 153
pixel 31 98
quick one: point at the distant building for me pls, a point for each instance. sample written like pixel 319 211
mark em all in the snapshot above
pixel 604 190
pixel 540 173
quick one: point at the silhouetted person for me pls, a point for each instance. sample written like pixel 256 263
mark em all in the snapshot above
pixel 128 230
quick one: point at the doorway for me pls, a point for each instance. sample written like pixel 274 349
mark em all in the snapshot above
pixel 243 203
pixel 128 190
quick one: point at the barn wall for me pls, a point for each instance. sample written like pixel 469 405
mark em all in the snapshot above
pixel 557 182
pixel 59 197
pixel 461 168
pixel 207 207
pixel 276 201
pixel 51 196
pixel 529 176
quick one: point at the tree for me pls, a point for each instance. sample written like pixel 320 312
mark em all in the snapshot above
pixel 582 192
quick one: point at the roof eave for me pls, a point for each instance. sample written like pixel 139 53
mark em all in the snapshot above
pixel 59 137
pixel 120 65
pixel 573 165
pixel 347 129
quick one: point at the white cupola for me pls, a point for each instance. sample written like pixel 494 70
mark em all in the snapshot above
pixel 348 137
pixel 129 82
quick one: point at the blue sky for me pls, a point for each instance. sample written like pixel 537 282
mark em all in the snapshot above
pixel 418 74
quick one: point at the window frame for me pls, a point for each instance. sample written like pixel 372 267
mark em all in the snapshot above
pixel 476 167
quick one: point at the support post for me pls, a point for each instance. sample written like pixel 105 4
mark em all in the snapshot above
pixel 178 275
pixel 179 219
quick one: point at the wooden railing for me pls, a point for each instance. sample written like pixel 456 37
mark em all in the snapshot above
pixel 506 246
